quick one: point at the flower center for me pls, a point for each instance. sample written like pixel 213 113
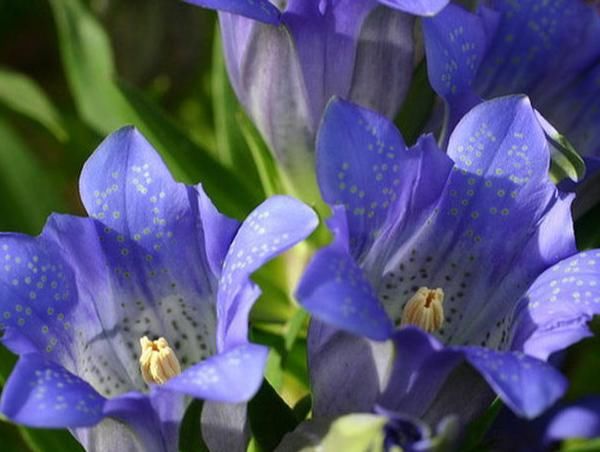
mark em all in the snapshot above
pixel 425 310
pixel 158 362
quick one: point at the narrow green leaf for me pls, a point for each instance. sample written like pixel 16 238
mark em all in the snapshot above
pixel 106 105
pixel 270 417
pixel 417 106
pixel 190 438
pixel 581 445
pixel 232 149
pixel 43 440
pixel 587 232
pixel 187 160
pixel 270 178
pixel 28 195
pixel 22 94
pixel 11 438
pixel 478 428
pixel 296 325
pixel 566 162
pixel 89 66
pixel 7 362
pixel 354 433
pixel 303 407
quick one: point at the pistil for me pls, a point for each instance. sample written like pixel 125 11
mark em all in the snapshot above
pixel 158 362
pixel 425 310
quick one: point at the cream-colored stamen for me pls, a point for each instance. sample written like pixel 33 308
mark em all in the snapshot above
pixel 425 310
pixel 158 362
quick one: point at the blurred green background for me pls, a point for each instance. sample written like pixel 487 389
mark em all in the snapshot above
pixel 72 71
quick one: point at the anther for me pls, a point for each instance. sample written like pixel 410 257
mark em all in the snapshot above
pixel 158 362
pixel 425 310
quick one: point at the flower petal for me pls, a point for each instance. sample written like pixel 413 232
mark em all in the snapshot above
pixel 150 235
pixel 364 39
pixel 136 422
pixel 528 386
pixel 421 367
pixel 579 420
pixel 522 57
pixel 37 295
pixel 40 393
pixel 273 227
pixel 576 112
pixel 261 10
pixel 41 296
pixel 225 426
pixel 219 230
pixel 371 177
pixel 347 372
pixel 384 61
pixel 232 376
pixel 335 290
pixel 488 229
pixel 558 305
pixel 324 32
pixel 417 7
pixel 455 43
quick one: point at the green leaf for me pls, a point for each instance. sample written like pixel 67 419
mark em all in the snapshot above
pixel 566 162
pixel 232 149
pixel 88 61
pixel 106 105
pixel 302 408
pixel 477 429
pixel 43 440
pixel 28 194
pixel 582 365
pixel 271 180
pixel 294 328
pixel 187 160
pixel 581 445
pixel 190 438
pixel 21 94
pixel 417 106
pixel 587 232
pixel 355 433
pixel 270 417
pixel 11 438
pixel 7 362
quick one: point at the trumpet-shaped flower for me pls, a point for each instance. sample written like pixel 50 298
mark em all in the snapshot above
pixel 549 50
pixel 117 315
pixel 285 65
pixel 465 260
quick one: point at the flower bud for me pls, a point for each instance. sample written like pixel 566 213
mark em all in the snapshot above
pixel 284 76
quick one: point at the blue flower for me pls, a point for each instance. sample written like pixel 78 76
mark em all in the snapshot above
pixel 466 261
pixel 549 50
pixel 285 65
pixel 154 263
pixel 580 419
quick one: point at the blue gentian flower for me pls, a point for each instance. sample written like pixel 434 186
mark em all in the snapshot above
pixel 465 261
pixel 580 419
pixel 286 64
pixel 117 316
pixel 549 50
